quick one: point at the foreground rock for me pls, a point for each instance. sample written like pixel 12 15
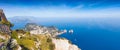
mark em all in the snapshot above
pixel 64 44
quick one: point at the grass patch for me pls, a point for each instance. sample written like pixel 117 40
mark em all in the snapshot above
pixel 28 41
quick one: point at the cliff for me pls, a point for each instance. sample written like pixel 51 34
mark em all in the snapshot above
pixel 64 44
pixel 32 37
pixel 5 30
pixel 2 16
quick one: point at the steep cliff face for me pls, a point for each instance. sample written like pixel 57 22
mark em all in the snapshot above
pixel 2 16
pixel 4 23
pixel 4 31
pixel 64 44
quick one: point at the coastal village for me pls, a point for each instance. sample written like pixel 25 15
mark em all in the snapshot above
pixel 32 37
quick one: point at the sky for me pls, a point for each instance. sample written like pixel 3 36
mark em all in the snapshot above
pixel 61 8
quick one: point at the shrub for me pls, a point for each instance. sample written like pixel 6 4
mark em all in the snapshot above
pixel 7 23
pixel 14 35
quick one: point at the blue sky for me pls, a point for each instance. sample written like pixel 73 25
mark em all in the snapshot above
pixel 61 8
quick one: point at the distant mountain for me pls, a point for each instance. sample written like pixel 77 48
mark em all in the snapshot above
pixel 17 19
pixel 20 21
pixel 105 23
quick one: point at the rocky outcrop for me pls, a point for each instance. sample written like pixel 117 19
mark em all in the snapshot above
pixel 2 16
pixel 3 23
pixel 4 29
pixel 64 44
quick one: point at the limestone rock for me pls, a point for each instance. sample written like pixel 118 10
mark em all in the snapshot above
pixel 63 44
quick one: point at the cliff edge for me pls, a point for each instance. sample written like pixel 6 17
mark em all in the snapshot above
pixel 32 37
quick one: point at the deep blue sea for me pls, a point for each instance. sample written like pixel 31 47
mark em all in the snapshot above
pixel 89 34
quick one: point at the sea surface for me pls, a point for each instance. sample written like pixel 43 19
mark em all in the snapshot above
pixel 89 34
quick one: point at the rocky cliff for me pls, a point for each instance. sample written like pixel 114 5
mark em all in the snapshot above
pixel 5 31
pixel 33 37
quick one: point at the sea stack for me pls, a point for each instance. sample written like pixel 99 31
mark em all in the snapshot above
pixel 71 31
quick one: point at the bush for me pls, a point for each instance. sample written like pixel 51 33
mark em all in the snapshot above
pixel 26 43
pixel 7 23
pixel 14 35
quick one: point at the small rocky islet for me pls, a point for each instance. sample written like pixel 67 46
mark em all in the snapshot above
pixel 32 37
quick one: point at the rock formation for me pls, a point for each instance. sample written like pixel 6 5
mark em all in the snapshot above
pixel 4 30
pixel 2 16
pixel 64 44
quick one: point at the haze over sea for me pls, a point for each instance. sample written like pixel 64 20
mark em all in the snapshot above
pixel 89 33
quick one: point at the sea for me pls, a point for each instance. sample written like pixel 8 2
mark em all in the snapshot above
pixel 89 33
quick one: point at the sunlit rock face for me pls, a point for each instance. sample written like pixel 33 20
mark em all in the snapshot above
pixel 2 16
pixel 3 23
pixel 63 44
pixel 4 29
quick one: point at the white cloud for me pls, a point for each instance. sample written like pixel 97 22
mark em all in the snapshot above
pixel 58 11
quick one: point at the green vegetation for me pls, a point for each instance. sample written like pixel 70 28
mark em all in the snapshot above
pixel 3 48
pixel 2 33
pixel 7 23
pixel 6 36
pixel 46 42
pixel 2 40
pixel 28 41
pixel 14 35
